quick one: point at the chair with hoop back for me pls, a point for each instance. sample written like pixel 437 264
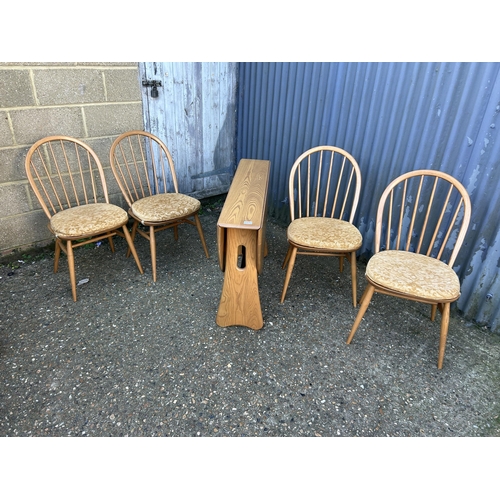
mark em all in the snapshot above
pixel 324 187
pixel 422 219
pixel 145 172
pixel 68 180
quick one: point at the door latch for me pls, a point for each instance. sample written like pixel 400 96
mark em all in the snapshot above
pixel 154 84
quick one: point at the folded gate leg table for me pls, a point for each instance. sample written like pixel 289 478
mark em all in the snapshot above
pixel 242 245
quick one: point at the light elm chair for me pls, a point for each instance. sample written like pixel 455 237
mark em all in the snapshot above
pixel 68 181
pixel 145 172
pixel 324 187
pixel 422 219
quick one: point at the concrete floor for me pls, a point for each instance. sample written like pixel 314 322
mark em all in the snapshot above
pixel 137 358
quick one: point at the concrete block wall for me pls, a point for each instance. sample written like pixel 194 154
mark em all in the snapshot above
pixel 94 102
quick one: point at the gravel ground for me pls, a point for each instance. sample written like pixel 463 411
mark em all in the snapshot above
pixel 137 358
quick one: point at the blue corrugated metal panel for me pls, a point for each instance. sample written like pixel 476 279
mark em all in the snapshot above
pixel 392 117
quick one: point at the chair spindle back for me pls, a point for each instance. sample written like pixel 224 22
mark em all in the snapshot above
pixel 65 172
pixel 324 181
pixel 424 211
pixel 143 166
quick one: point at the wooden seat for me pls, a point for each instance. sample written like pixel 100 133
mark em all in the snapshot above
pixel 68 181
pixel 144 170
pixel 324 187
pixel 424 216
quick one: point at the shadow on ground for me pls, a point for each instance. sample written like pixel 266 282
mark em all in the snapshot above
pixel 137 358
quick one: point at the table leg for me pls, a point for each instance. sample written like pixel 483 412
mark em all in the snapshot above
pixel 240 301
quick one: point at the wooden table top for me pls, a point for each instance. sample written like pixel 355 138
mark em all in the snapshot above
pixel 245 203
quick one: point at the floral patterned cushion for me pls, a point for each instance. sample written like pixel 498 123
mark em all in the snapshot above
pixel 324 233
pixel 414 274
pixel 164 207
pixel 87 220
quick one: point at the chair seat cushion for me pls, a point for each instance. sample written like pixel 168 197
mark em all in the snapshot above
pixel 324 233
pixel 87 220
pixel 165 207
pixel 414 274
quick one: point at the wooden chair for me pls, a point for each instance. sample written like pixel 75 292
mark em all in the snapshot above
pixel 68 180
pixel 144 170
pixel 422 219
pixel 324 187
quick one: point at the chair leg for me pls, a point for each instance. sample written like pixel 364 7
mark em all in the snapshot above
pixel 445 322
pixel 111 244
pixel 200 232
pixel 367 297
pixel 363 296
pixel 291 263
pixel 57 255
pixel 433 311
pixel 71 267
pixel 132 247
pixel 341 263
pixel 152 245
pixel 134 232
pixel 287 256
pixel 353 278
pixel 176 232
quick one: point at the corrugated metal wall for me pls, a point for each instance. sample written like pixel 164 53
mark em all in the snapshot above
pixel 392 117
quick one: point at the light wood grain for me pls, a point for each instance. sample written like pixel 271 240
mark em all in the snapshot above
pixel 240 301
pixel 244 207
pixel 242 245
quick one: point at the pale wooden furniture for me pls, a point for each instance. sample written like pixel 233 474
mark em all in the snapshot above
pixel 424 216
pixel 324 186
pixel 68 180
pixel 145 172
pixel 242 245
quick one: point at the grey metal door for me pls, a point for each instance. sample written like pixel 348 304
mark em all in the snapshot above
pixel 194 113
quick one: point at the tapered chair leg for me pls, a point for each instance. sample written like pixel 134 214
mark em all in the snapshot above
pixel 71 267
pixel 152 245
pixel 291 263
pixel 131 248
pixel 287 256
pixel 433 311
pixel 134 232
pixel 57 255
pixel 200 232
pixel 445 321
pixel 353 278
pixel 367 297
pixel 111 244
